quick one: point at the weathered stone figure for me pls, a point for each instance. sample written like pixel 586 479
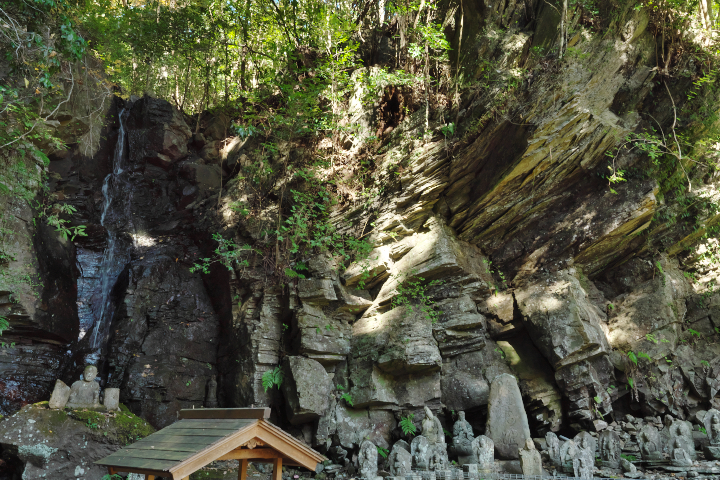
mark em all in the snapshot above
pixel 368 460
pixel 530 460
pixel 438 457
pixel 432 428
pixel 650 443
pixel 712 427
pixel 680 456
pixel 400 461
pixel 211 398
pixel 507 422
pixel 583 463
pixel 568 450
pixel 586 441
pixel 610 449
pixel 85 393
pixel 420 451
pixel 485 451
pixel 682 430
pixel 463 440
pixel 553 447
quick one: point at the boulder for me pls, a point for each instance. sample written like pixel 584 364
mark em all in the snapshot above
pixel 67 443
pixel 317 291
pixel 306 387
pixel 507 424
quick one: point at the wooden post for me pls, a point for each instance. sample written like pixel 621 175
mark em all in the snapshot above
pixel 242 469
pixel 149 477
pixel 277 468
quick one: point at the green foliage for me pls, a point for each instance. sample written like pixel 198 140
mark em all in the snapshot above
pixel 228 253
pixel 61 225
pixel 651 338
pixel 694 333
pixel 114 476
pixel 633 358
pixel 407 426
pixel 346 396
pixel 272 378
pixel 645 355
pixel 702 430
pixel 382 452
pixel 414 292
pixel 629 458
pixel 4 324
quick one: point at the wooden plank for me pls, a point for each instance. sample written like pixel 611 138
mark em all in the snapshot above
pixel 143 463
pixel 143 471
pixel 180 432
pixel 251 454
pixel 214 451
pixel 172 446
pixel 250 413
pixel 229 422
pixel 185 424
pixel 151 453
pixel 167 438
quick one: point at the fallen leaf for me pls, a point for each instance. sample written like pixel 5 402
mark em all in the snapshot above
pixel 27 84
pixel 37 91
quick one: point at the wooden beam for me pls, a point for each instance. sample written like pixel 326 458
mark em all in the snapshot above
pixel 296 452
pixel 250 413
pixel 242 470
pixel 251 454
pixel 277 469
pixel 149 477
pixel 214 451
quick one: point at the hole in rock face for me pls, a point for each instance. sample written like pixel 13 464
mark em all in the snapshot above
pixel 391 110
pixel 11 467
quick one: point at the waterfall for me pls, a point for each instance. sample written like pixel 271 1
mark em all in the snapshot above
pixel 117 253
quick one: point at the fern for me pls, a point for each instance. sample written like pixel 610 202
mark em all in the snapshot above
pixel 694 332
pixel 272 378
pixel 4 324
pixel 632 357
pixel 407 425
pixel 644 355
pixel 383 452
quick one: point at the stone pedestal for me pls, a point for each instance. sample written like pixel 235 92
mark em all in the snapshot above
pixel 60 395
pixel 112 399
pixel 712 452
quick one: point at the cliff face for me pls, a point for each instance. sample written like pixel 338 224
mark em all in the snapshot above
pixel 496 247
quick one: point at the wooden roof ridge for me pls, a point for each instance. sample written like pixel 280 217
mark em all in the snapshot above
pixel 206 435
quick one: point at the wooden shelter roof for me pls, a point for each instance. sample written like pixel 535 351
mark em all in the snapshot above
pixel 205 435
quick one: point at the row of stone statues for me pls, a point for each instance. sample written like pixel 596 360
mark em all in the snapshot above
pixel 84 393
pixel 577 456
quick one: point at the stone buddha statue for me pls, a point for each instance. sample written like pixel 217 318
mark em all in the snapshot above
pixel 432 428
pixel 85 393
pixel 463 438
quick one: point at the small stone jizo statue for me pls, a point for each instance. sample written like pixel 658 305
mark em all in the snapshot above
pixel 368 460
pixel 712 427
pixel 463 440
pixel 530 459
pixel 85 393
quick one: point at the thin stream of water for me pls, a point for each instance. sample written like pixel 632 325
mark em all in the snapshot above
pixel 117 252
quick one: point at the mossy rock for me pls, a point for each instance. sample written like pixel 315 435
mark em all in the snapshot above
pixel 121 427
